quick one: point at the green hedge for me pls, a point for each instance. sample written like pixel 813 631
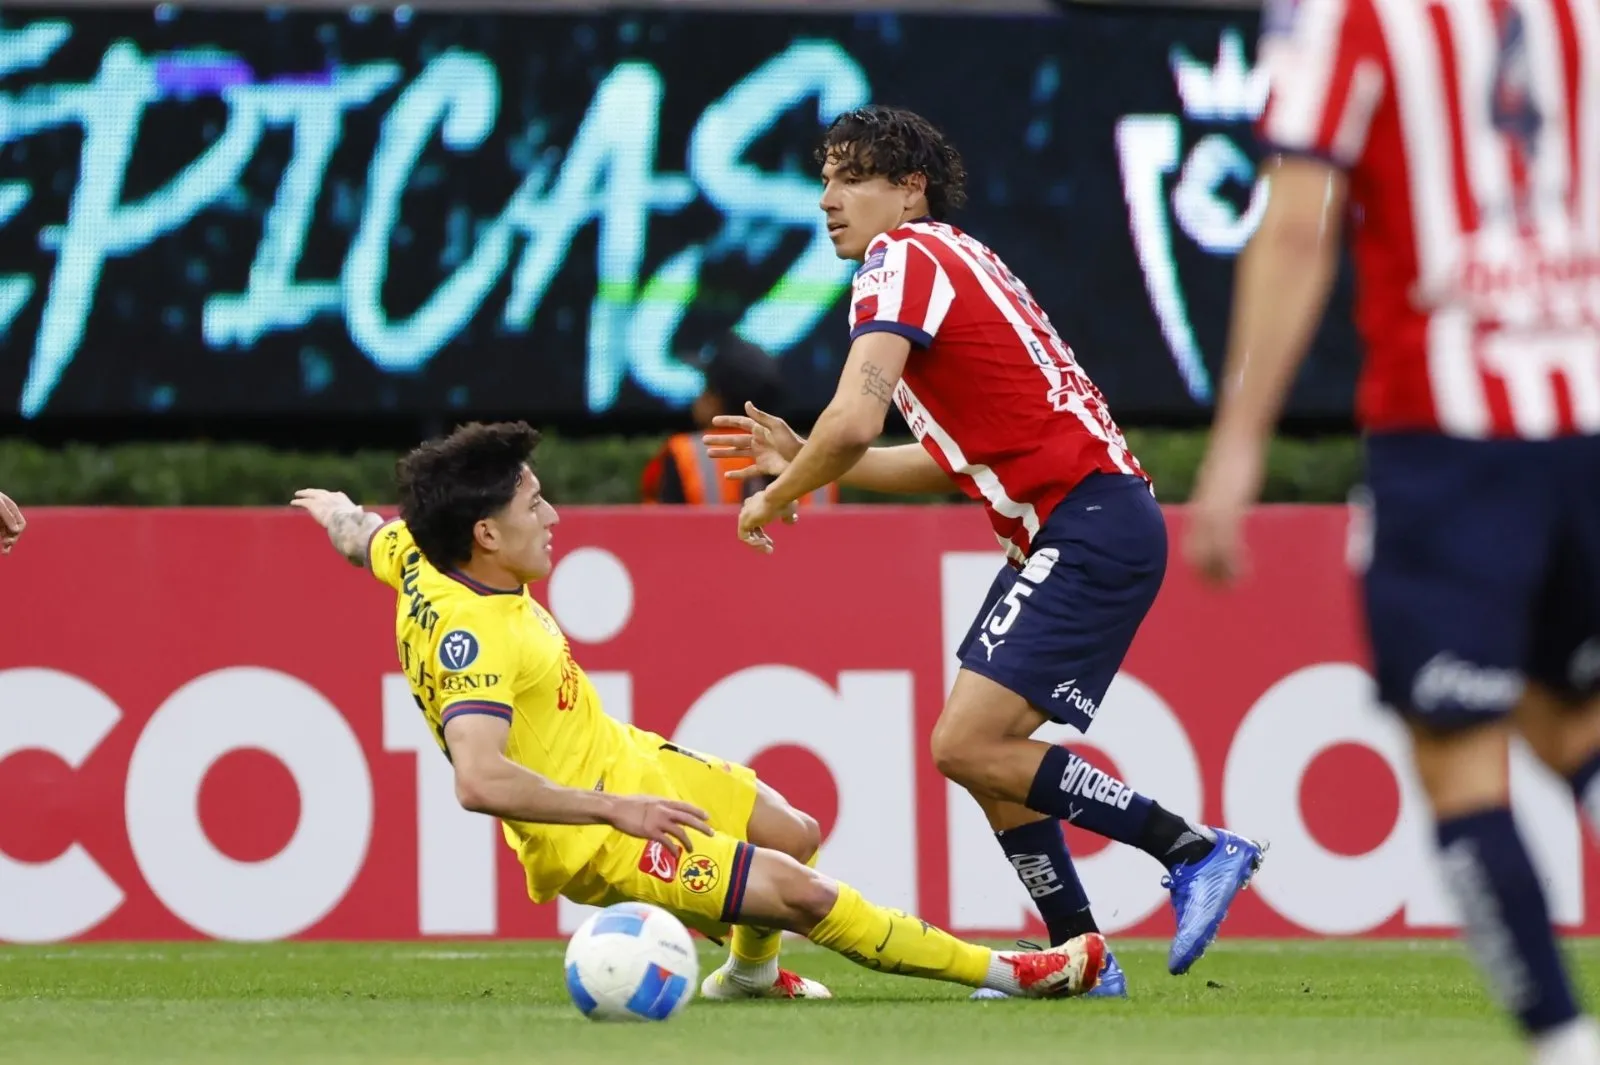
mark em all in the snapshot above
pixel 604 470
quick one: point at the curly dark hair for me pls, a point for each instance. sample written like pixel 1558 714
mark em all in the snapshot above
pixel 449 485
pixel 894 143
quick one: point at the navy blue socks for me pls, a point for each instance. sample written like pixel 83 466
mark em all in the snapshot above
pixel 1039 855
pixel 1506 923
pixel 1075 791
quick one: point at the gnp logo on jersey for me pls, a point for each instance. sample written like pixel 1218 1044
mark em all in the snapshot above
pixel 873 261
pixel 467 682
pixel 876 283
pixel 700 874
pixel 458 649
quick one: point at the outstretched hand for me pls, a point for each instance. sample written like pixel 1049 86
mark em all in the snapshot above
pixel 350 528
pixel 763 438
pixel 322 504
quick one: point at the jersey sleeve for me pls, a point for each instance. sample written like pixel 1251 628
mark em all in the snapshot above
pixel 1327 73
pixel 480 666
pixel 387 549
pixel 900 288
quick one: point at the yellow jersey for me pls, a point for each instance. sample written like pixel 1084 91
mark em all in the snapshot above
pixel 469 649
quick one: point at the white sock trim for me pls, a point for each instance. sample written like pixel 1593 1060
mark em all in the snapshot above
pixel 752 974
pixel 1001 976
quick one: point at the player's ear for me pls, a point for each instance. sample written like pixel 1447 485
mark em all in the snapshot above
pixel 915 185
pixel 485 534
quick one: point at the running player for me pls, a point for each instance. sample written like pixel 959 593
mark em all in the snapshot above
pixel 941 328
pixel 599 811
pixel 1462 142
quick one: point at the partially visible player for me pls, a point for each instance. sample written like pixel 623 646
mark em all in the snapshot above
pixel 599 811
pixel 11 524
pixel 1461 144
pixel 942 328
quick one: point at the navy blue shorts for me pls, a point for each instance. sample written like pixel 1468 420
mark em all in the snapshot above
pixel 1056 631
pixel 1484 572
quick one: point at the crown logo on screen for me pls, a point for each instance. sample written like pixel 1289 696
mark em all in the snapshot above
pixel 1227 92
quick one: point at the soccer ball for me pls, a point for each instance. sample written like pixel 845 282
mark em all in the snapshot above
pixel 631 962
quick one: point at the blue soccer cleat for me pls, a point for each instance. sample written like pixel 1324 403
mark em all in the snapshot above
pixel 1202 892
pixel 1113 981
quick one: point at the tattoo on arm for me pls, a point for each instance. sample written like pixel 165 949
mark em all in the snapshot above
pixel 877 384
pixel 350 530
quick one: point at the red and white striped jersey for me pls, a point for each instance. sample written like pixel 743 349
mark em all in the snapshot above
pixel 1470 131
pixel 990 389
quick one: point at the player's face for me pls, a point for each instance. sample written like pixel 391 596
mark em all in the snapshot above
pixel 860 207
pixel 522 531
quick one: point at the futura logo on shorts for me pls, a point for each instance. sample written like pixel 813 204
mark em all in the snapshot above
pixel 1069 691
pixel 1446 679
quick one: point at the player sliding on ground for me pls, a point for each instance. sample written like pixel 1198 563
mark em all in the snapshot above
pixel 599 811
pixel 942 329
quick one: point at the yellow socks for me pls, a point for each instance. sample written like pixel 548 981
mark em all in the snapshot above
pixel 753 959
pixel 894 942
pixel 753 953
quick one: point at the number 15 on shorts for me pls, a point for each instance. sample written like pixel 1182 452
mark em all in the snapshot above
pixel 999 623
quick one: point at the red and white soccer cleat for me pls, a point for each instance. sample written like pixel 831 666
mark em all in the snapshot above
pixel 1073 968
pixel 720 985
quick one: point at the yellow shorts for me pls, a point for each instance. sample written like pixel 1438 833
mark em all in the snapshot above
pixel 703 888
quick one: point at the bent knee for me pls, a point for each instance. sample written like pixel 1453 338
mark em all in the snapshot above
pixel 798 835
pixel 956 755
pixel 778 826
pixel 807 839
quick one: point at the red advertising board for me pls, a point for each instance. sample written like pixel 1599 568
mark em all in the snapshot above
pixel 203 731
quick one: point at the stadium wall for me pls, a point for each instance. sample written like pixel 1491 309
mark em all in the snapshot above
pixel 214 741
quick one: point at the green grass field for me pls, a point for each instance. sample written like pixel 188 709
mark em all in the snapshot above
pixel 499 1003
